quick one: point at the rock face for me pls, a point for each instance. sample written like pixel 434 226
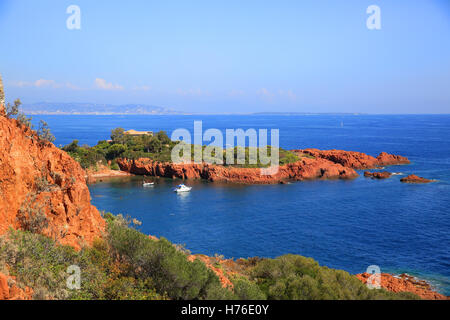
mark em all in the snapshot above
pixel 41 185
pixel 329 164
pixel 13 292
pixel 405 283
pixel 377 175
pixel 301 170
pixel 412 178
pixel 386 159
pixel 357 160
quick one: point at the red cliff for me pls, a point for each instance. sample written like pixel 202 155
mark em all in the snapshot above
pixel 301 170
pixel 329 164
pixel 42 187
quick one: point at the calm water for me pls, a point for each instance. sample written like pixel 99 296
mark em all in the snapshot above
pixel 342 224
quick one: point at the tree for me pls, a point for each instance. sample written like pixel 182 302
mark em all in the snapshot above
pixel 115 151
pixel 23 119
pixel 44 132
pixel 13 110
pixel 154 145
pixel 118 135
pixel 72 147
pixel 163 137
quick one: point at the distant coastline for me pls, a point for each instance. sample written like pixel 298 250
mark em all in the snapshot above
pixel 54 108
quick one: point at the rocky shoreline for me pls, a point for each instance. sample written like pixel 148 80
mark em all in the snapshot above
pixel 313 164
pixel 406 283
pixel 104 172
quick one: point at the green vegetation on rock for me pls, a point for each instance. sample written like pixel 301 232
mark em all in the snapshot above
pixel 157 147
pixel 127 264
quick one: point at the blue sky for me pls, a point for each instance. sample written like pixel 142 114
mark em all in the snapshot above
pixel 231 56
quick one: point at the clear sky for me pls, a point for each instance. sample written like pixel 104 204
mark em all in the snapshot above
pixel 231 56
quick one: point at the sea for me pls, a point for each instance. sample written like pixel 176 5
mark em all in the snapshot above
pixel 349 225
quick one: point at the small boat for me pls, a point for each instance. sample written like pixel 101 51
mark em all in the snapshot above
pixel 182 188
pixel 148 184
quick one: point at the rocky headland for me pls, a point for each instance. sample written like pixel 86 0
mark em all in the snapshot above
pixel 313 164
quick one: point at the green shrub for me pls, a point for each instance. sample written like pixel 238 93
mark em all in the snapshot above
pixel 293 277
pixel 130 265
pixel 244 289
pixel 168 267
pixel 114 166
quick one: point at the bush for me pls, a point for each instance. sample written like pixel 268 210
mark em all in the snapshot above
pixel 114 166
pixel 44 132
pixel 129 265
pixel 244 289
pixel 293 277
pixel 169 268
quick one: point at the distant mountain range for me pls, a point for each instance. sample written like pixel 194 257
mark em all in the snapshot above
pixel 94 109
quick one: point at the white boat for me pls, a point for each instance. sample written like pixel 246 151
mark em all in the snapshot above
pixel 182 188
pixel 148 184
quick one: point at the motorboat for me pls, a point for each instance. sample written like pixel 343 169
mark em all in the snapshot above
pixel 148 184
pixel 182 188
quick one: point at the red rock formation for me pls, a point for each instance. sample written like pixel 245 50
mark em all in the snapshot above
pixel 356 160
pixel 377 175
pixel 36 176
pixel 412 178
pixel 405 283
pixel 301 170
pixel 386 159
pixel 13 292
pixel 103 172
pixel 328 164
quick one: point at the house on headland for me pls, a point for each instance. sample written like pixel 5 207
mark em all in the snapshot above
pixel 136 133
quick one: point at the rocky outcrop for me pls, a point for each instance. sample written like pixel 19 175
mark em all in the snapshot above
pixel 412 178
pixel 42 187
pixel 314 164
pixel 405 283
pixel 377 175
pixel 103 172
pixel 356 160
pixel 304 169
pixel 386 159
pixel 10 291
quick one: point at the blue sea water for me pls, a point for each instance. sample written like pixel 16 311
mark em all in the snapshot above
pixel 342 224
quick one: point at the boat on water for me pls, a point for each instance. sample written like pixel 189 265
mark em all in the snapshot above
pixel 148 184
pixel 182 188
